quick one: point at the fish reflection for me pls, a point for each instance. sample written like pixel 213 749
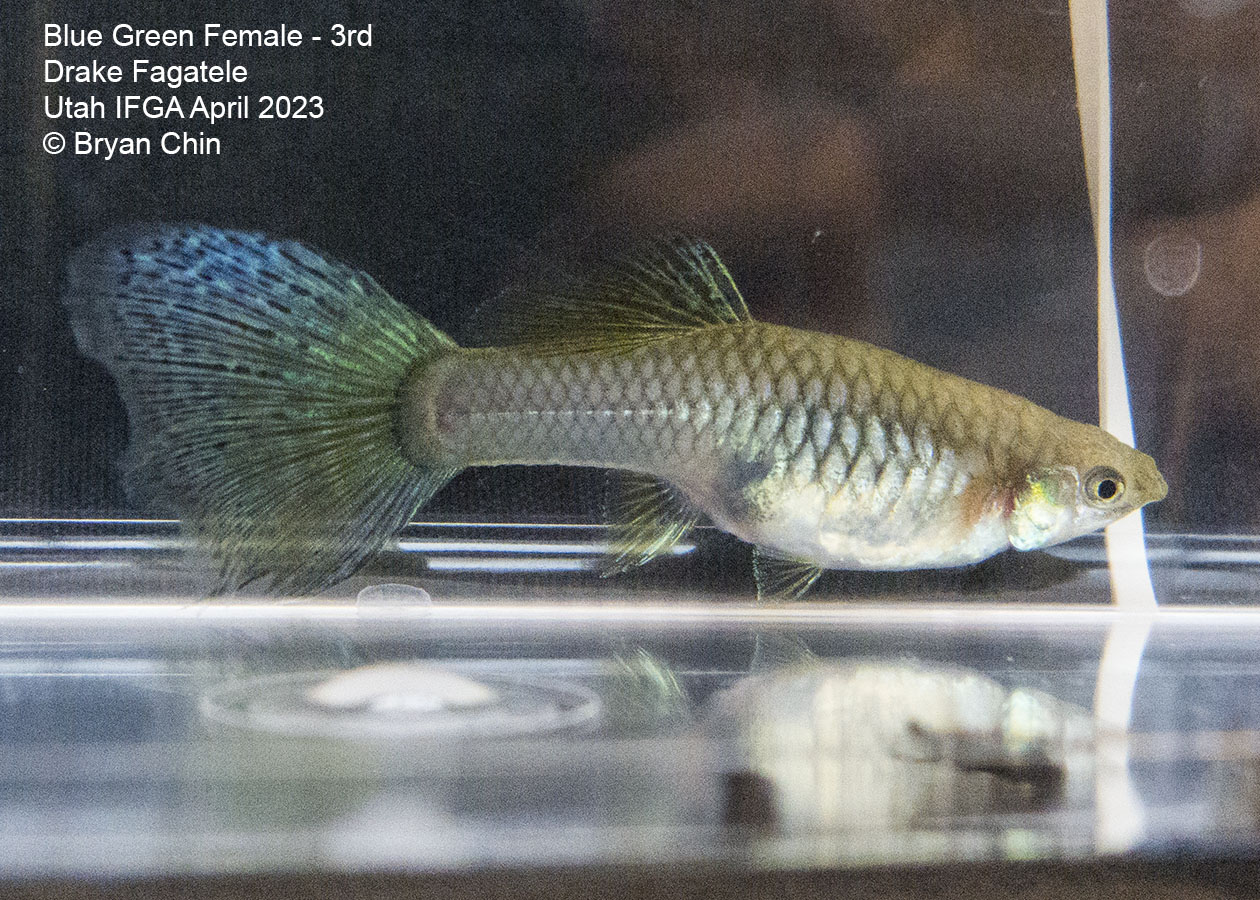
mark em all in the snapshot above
pixel 876 745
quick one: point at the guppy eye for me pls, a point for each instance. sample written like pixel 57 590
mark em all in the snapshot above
pixel 1103 486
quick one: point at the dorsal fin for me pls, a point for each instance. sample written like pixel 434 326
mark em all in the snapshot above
pixel 666 287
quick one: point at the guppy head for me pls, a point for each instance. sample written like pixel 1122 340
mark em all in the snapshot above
pixel 1092 480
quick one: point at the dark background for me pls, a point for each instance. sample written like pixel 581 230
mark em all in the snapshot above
pixel 905 172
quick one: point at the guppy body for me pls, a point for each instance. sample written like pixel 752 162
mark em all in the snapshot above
pixel 817 447
pixel 296 416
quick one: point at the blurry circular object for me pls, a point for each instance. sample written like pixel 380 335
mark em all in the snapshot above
pixel 375 595
pixel 1172 262
pixel 401 686
pixel 401 700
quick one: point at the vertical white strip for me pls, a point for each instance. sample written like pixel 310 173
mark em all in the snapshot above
pixel 1119 814
pixel 1126 546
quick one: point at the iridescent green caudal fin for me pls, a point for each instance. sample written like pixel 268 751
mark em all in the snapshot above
pixel 261 381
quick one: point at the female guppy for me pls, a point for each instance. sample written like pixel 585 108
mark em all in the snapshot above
pixel 296 416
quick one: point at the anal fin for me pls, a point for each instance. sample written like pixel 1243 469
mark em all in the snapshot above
pixel 780 579
pixel 647 517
